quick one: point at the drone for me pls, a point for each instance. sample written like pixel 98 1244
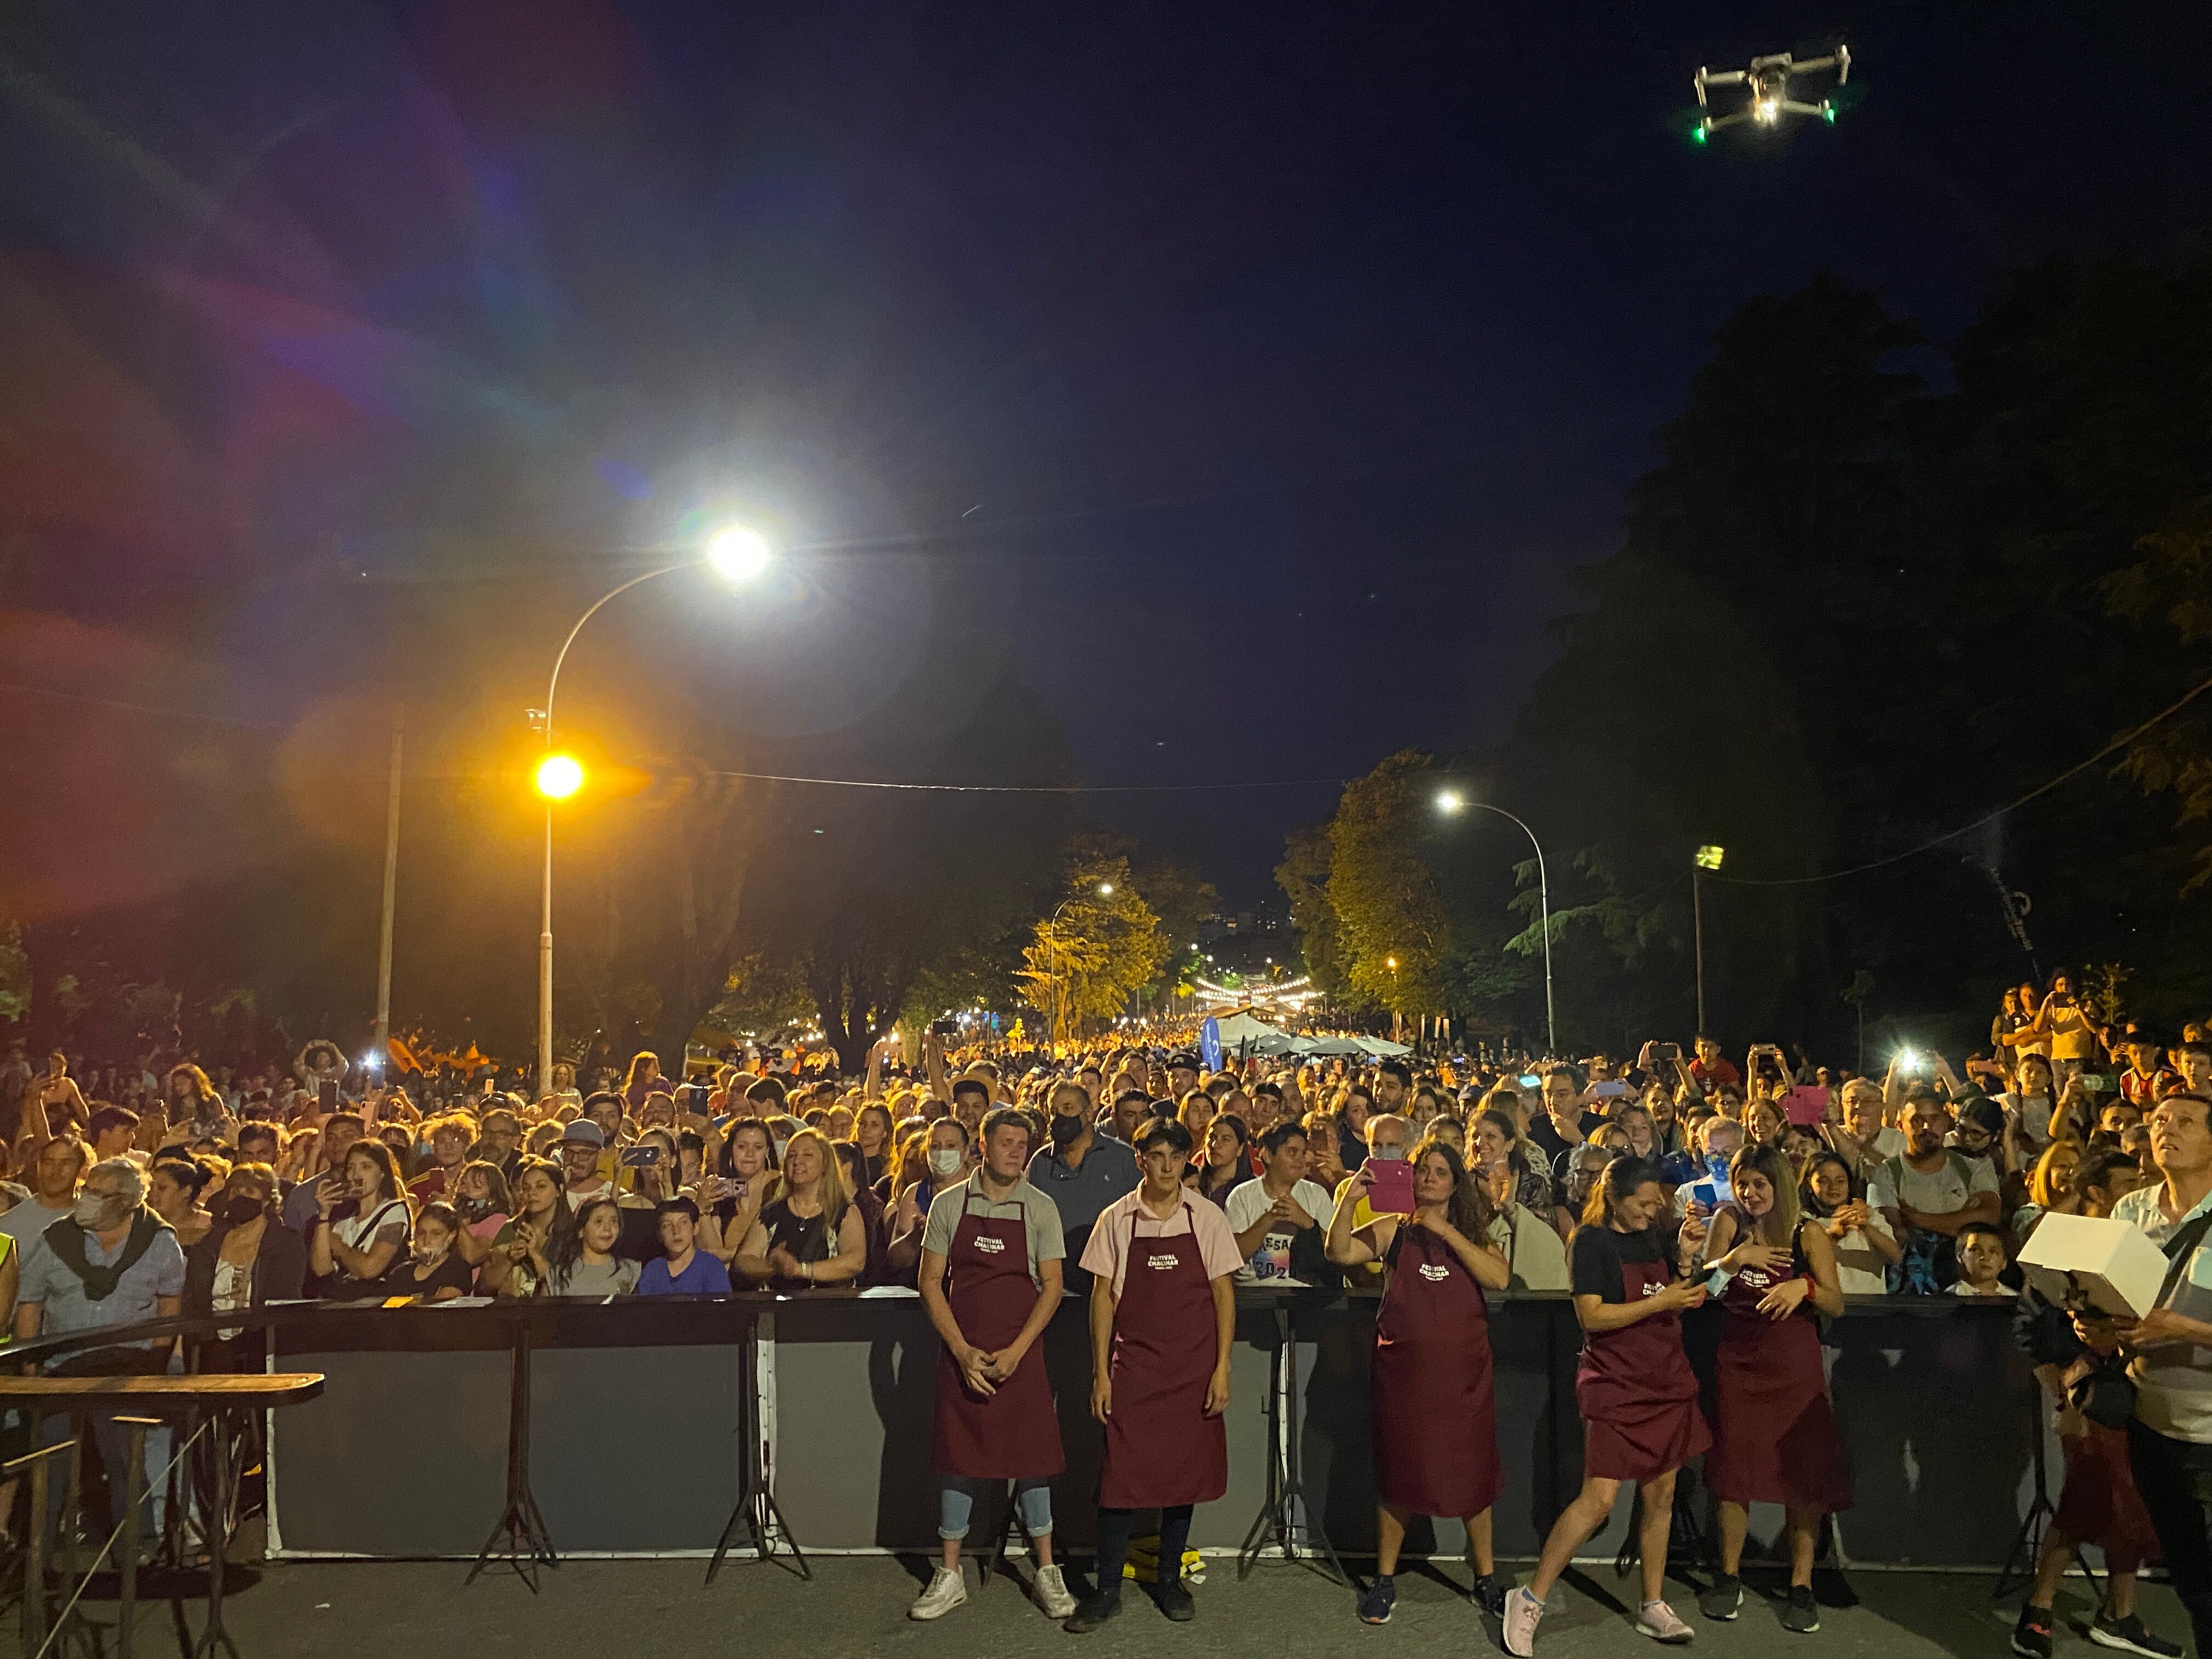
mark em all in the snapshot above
pixel 1767 79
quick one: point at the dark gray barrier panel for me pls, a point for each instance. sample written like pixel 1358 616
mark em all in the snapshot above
pixel 635 1445
pixel 635 1422
pixel 855 1382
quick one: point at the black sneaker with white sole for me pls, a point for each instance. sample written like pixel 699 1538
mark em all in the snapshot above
pixel 1723 1598
pixel 2031 1636
pixel 1800 1613
pixel 2128 1636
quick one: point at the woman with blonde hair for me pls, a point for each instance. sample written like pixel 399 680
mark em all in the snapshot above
pixel 809 1231
pixel 2051 1187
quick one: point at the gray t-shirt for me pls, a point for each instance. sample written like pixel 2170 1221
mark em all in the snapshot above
pixel 1040 1217
pixel 1896 1184
pixel 50 1282
pixel 617 1276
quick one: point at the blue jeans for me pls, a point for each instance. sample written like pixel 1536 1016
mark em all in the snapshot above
pixel 955 1505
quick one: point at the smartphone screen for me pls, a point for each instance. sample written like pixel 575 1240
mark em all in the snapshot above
pixel 327 1094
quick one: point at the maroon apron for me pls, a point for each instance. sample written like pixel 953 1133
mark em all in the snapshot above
pixel 1774 1432
pixel 2100 1504
pixel 1433 1420
pixel 1637 1394
pixel 1013 1433
pixel 1162 1448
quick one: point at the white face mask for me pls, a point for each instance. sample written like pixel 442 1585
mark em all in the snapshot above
pixel 1389 1154
pixel 943 1160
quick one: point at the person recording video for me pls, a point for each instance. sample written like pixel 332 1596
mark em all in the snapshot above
pixel 1433 1412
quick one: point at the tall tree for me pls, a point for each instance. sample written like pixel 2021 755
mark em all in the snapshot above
pixel 1393 935
pixel 1087 958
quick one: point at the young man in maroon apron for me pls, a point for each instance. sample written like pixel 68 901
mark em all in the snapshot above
pixel 1430 1398
pixel 990 1278
pixel 1637 1395
pixel 1163 1312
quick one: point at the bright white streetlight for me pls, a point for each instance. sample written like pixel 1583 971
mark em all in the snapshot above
pixel 1105 889
pixel 738 553
pixel 1449 802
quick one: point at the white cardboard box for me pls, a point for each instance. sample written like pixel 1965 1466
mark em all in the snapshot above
pixel 2109 1265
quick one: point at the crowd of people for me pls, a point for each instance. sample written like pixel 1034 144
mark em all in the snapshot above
pixel 994 1183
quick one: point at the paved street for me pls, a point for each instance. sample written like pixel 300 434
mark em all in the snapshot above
pixel 856 1606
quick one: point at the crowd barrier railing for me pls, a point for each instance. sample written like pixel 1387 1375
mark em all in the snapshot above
pixel 669 1425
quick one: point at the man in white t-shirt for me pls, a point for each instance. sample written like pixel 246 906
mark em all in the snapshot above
pixel 1269 1215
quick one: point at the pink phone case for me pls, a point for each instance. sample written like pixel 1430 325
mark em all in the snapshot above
pixel 1391 1191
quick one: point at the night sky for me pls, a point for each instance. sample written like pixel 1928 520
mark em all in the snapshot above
pixel 1259 375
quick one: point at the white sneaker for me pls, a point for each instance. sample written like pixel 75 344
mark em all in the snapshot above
pixel 1523 1613
pixel 1051 1593
pixel 947 1590
pixel 1662 1624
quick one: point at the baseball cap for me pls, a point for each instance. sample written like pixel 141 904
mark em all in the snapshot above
pixel 583 1132
pixel 1183 1060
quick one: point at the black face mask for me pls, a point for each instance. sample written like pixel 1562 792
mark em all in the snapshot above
pixel 1067 1128
pixel 238 1211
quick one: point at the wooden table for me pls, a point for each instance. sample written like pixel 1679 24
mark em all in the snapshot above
pixel 194 1400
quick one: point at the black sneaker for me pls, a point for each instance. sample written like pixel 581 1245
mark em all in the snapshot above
pixel 2031 1636
pixel 1173 1600
pixel 1723 1598
pixel 1803 1613
pixel 1375 1606
pixel 1490 1594
pixel 2129 1635
pixel 1091 1612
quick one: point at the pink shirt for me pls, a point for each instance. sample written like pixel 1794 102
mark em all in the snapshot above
pixel 1106 1253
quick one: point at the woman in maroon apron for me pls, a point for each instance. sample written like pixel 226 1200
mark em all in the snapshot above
pixel 1637 1395
pixel 990 1300
pixel 1433 1418
pixel 1162 1317
pixel 1774 1432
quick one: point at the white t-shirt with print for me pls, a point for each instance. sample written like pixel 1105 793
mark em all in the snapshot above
pixel 1271 1262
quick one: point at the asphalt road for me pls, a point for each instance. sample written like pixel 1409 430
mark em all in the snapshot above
pixel 856 1606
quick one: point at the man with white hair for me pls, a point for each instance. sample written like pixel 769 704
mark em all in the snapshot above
pixel 110 1262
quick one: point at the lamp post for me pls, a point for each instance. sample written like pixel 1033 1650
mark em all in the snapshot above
pixel 735 554
pixel 1449 802
pixel 1104 889
pixel 1707 858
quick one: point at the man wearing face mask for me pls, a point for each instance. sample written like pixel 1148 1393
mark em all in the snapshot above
pixel 1386 1142
pixel 110 1262
pixel 1081 1171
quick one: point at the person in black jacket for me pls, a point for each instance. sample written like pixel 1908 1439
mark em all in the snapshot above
pixel 247 1259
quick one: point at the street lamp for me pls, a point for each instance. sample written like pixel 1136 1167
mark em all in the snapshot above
pixel 1450 802
pixel 1706 857
pixel 1104 889
pixel 737 554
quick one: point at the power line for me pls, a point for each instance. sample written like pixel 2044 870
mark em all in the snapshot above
pixel 2071 772
pixel 1031 788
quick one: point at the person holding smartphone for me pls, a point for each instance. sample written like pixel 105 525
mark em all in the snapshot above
pixel 1637 1395
pixel 1387 1139
pixel 1432 1410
